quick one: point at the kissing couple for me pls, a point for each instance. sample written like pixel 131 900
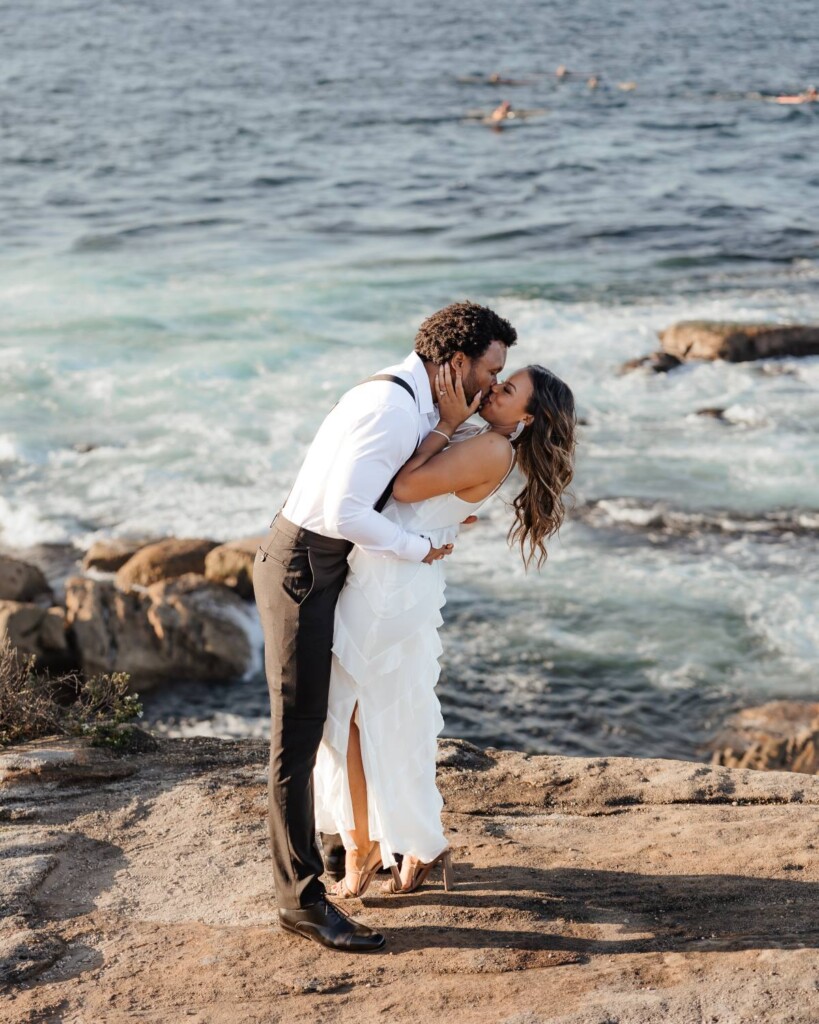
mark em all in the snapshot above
pixel 349 584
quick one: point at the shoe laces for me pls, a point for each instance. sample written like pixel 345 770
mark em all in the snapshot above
pixel 336 910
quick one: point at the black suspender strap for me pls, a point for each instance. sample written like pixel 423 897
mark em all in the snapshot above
pixel 394 380
pixel 382 501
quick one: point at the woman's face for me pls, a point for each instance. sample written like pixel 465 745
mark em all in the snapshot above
pixel 506 403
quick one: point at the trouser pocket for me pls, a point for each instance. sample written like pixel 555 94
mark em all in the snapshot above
pixel 296 592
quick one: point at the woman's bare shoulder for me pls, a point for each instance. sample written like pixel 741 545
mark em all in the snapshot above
pixel 489 446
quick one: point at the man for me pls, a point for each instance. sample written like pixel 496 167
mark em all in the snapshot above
pixel 300 569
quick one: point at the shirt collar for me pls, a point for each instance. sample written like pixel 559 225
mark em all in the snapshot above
pixel 414 364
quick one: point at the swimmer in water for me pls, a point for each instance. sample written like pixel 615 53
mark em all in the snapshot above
pixel 503 112
pixel 810 95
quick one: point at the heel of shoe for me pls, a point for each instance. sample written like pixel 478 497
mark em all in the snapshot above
pixel 448 872
pixel 396 877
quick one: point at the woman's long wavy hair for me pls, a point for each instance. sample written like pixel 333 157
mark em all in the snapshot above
pixel 545 457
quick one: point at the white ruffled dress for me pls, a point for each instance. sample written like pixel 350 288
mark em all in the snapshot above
pixel 385 661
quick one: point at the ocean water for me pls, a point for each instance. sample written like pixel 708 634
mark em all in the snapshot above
pixel 214 219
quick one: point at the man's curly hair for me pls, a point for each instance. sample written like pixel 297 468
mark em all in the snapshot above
pixel 462 327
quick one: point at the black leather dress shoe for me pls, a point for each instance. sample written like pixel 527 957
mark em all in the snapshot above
pixel 324 923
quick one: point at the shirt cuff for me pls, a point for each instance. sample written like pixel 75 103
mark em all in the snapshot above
pixel 418 548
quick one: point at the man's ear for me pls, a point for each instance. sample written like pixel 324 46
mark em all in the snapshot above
pixel 458 361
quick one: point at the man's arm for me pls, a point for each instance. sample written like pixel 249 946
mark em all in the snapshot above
pixel 374 449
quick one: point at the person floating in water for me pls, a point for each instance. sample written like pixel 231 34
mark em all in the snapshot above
pixel 502 112
pixel 809 95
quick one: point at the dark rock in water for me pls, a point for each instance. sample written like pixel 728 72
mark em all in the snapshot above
pixel 782 735
pixel 110 555
pixel 183 628
pixel 721 339
pixel 657 517
pixel 84 449
pixel 21 581
pixel 166 559
pixel 659 362
pixel 738 342
pixel 712 413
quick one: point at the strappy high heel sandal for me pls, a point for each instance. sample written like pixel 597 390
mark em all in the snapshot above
pixel 342 890
pixel 420 873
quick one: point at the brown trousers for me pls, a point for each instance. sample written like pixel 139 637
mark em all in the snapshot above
pixel 297 579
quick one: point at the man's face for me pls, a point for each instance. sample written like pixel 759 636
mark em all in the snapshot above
pixel 481 374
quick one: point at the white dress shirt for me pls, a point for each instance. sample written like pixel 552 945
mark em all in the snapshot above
pixel 358 449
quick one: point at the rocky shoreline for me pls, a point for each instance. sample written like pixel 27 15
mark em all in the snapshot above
pixel 588 891
pixel 171 609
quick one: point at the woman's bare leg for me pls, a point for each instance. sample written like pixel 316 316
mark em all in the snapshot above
pixel 358 795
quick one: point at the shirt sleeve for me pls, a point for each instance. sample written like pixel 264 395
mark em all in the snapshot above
pixel 372 452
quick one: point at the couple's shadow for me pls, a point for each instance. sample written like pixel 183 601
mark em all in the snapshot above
pixel 514 907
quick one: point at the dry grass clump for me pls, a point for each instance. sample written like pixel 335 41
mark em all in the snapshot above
pixel 34 705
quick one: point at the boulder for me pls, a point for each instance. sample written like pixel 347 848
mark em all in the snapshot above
pixel 188 627
pixel 737 342
pixel 110 555
pixel 163 560
pixel 782 735
pixel 232 564
pixel 20 581
pixel 38 631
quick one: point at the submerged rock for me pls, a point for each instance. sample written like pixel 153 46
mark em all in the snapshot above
pixel 188 627
pixel 166 559
pixel 659 362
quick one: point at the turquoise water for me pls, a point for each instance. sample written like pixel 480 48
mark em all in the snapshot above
pixel 215 220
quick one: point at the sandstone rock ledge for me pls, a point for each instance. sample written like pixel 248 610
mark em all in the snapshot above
pixel 590 891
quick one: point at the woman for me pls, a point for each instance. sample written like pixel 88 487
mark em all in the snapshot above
pixel 374 780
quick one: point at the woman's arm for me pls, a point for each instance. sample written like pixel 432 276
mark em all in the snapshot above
pixel 478 461
pixel 481 460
